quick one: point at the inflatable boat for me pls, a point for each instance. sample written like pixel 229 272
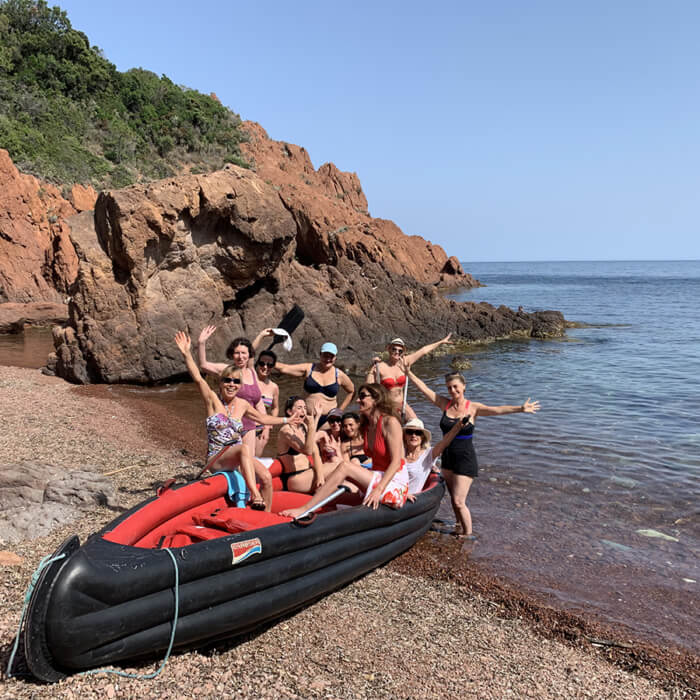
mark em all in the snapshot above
pixel 115 597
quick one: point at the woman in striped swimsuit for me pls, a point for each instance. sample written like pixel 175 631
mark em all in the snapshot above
pixel 270 392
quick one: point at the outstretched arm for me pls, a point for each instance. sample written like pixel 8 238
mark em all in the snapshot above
pixel 211 367
pixel 264 419
pixel 184 343
pixel 526 407
pixel 427 349
pixel 299 370
pixel 439 401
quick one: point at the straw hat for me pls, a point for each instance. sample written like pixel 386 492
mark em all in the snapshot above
pixel 417 424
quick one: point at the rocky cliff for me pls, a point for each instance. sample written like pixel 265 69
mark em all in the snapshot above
pixel 37 259
pixel 237 249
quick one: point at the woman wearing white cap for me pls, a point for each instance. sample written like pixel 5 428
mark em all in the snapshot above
pixel 390 374
pixel 420 456
pixel 322 382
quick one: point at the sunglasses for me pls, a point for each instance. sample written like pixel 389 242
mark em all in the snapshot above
pixel 364 395
pixel 397 351
pixel 414 432
pixel 334 420
pixel 262 363
pixel 230 380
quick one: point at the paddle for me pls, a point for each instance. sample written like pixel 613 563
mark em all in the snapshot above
pixel 290 322
pixel 304 519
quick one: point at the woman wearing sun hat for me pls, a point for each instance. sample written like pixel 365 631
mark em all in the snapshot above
pixel 390 374
pixel 420 456
pixel 322 382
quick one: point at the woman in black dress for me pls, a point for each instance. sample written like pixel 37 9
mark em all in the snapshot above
pixel 459 465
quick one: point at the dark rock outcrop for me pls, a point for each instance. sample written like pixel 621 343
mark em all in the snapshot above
pixel 232 249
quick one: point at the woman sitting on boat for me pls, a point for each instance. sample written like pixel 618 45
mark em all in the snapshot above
pixel 420 456
pixel 225 412
pixel 297 450
pixel 387 481
pixel 391 375
pixel 459 465
pixel 329 439
pixel 323 380
pixel 241 352
pixel 270 395
pixel 353 444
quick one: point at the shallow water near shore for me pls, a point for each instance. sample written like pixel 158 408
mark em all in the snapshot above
pixel 562 496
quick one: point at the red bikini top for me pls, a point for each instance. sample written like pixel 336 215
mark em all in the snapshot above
pixel 390 382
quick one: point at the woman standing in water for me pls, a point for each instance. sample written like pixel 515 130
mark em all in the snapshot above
pixel 225 413
pixel 391 376
pixel 459 465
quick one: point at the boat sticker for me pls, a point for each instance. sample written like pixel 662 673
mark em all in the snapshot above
pixel 245 549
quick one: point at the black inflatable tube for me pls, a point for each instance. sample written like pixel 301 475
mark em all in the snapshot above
pixel 96 627
pixel 234 617
pixel 109 602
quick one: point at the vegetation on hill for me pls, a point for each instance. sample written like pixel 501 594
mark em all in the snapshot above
pixel 68 115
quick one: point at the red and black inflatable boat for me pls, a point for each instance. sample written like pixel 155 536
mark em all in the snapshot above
pixel 113 599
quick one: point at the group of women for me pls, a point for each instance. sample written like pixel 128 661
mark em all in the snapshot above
pixel 383 450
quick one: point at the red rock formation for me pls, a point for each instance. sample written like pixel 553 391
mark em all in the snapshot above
pixel 37 260
pixel 332 215
pixel 227 248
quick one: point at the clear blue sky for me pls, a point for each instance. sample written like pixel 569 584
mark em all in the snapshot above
pixel 503 130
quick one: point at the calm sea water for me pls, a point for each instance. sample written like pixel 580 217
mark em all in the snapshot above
pixel 563 495
pixel 614 451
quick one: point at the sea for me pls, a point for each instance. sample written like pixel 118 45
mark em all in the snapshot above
pixel 592 504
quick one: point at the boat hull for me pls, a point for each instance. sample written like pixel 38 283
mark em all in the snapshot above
pixel 107 602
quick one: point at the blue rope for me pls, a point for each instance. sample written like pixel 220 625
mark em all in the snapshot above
pixel 147 676
pixel 46 561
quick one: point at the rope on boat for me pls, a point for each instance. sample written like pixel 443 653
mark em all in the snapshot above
pixel 49 559
pixel 46 561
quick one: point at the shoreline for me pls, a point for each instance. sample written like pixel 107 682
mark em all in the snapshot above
pixel 95 429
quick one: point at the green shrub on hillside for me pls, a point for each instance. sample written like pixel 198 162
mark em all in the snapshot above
pixel 68 115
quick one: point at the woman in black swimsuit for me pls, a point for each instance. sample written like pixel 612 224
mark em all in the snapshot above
pixel 353 444
pixel 459 465
pixel 322 381
pixel 297 450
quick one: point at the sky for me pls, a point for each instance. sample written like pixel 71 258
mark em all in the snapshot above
pixel 502 130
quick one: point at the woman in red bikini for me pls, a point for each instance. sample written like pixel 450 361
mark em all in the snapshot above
pixel 387 481
pixel 391 375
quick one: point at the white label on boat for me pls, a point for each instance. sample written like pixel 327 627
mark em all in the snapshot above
pixel 245 549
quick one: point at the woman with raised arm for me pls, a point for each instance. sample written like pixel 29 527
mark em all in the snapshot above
pixel 387 481
pixel 322 380
pixel 297 450
pixel 225 413
pixel 241 352
pixel 420 456
pixel 270 396
pixel 390 374
pixel 459 465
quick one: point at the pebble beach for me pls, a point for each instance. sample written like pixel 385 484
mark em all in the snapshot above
pixel 409 629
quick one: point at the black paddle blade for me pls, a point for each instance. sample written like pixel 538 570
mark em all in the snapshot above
pixel 289 323
pixel 292 319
